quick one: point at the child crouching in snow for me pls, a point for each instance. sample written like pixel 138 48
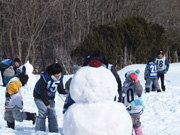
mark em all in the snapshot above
pixel 14 102
pixel 132 91
pixel 44 95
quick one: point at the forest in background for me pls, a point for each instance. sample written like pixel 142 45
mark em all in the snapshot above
pixel 45 31
pixel 127 42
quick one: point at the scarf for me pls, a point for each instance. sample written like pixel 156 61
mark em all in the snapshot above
pixel 7 79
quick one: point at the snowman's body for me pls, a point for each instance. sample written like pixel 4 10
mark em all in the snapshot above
pixel 29 70
pixel 94 111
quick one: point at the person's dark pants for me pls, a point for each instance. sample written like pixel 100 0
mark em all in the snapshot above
pixel 161 76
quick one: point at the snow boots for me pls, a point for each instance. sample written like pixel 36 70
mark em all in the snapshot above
pixel 153 88
pixel 138 131
pixel 164 88
pixel 159 90
pixel 31 116
pixel 147 90
pixel 11 125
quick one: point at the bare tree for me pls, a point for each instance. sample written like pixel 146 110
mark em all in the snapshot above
pixel 43 31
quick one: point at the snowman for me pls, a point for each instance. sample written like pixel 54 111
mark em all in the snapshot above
pixel 32 79
pixel 94 111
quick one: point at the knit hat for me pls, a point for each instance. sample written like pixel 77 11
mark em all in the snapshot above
pixel 76 68
pixel 127 75
pixel 137 71
pixel 160 52
pixel 54 69
pixel 150 60
pixel 9 71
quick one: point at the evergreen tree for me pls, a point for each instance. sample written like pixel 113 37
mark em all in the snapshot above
pixel 134 39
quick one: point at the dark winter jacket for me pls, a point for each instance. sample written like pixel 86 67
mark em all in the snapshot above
pixel 67 85
pixel 43 91
pixel 113 70
pixel 21 74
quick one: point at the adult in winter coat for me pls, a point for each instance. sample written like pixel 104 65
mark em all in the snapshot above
pixel 3 66
pixel 20 71
pixel 162 67
pixel 131 91
pixel 44 94
pixel 150 75
pixel 14 101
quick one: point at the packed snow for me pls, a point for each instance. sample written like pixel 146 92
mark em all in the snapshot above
pixel 94 111
pixel 97 84
pixel 160 117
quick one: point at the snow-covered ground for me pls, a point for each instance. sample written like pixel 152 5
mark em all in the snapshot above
pixel 161 115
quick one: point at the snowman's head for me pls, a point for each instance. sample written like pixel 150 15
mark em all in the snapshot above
pixel 91 84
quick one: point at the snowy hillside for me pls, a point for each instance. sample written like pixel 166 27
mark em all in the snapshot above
pixel 161 115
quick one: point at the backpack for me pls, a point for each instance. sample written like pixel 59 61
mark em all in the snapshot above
pixel 6 63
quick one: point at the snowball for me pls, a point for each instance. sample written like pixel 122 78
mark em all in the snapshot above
pixel 100 118
pixel 91 84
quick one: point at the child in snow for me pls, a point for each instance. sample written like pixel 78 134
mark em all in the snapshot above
pixel 14 101
pixel 150 75
pixel 132 90
pixel 20 71
pixel 162 67
pixel 44 94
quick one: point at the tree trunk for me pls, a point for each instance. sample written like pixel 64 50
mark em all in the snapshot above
pixel 125 55
pixel 29 49
pixel 11 42
pixel 33 55
pixel 176 56
pixel 19 45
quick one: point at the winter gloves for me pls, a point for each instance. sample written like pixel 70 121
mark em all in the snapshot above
pixel 165 71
